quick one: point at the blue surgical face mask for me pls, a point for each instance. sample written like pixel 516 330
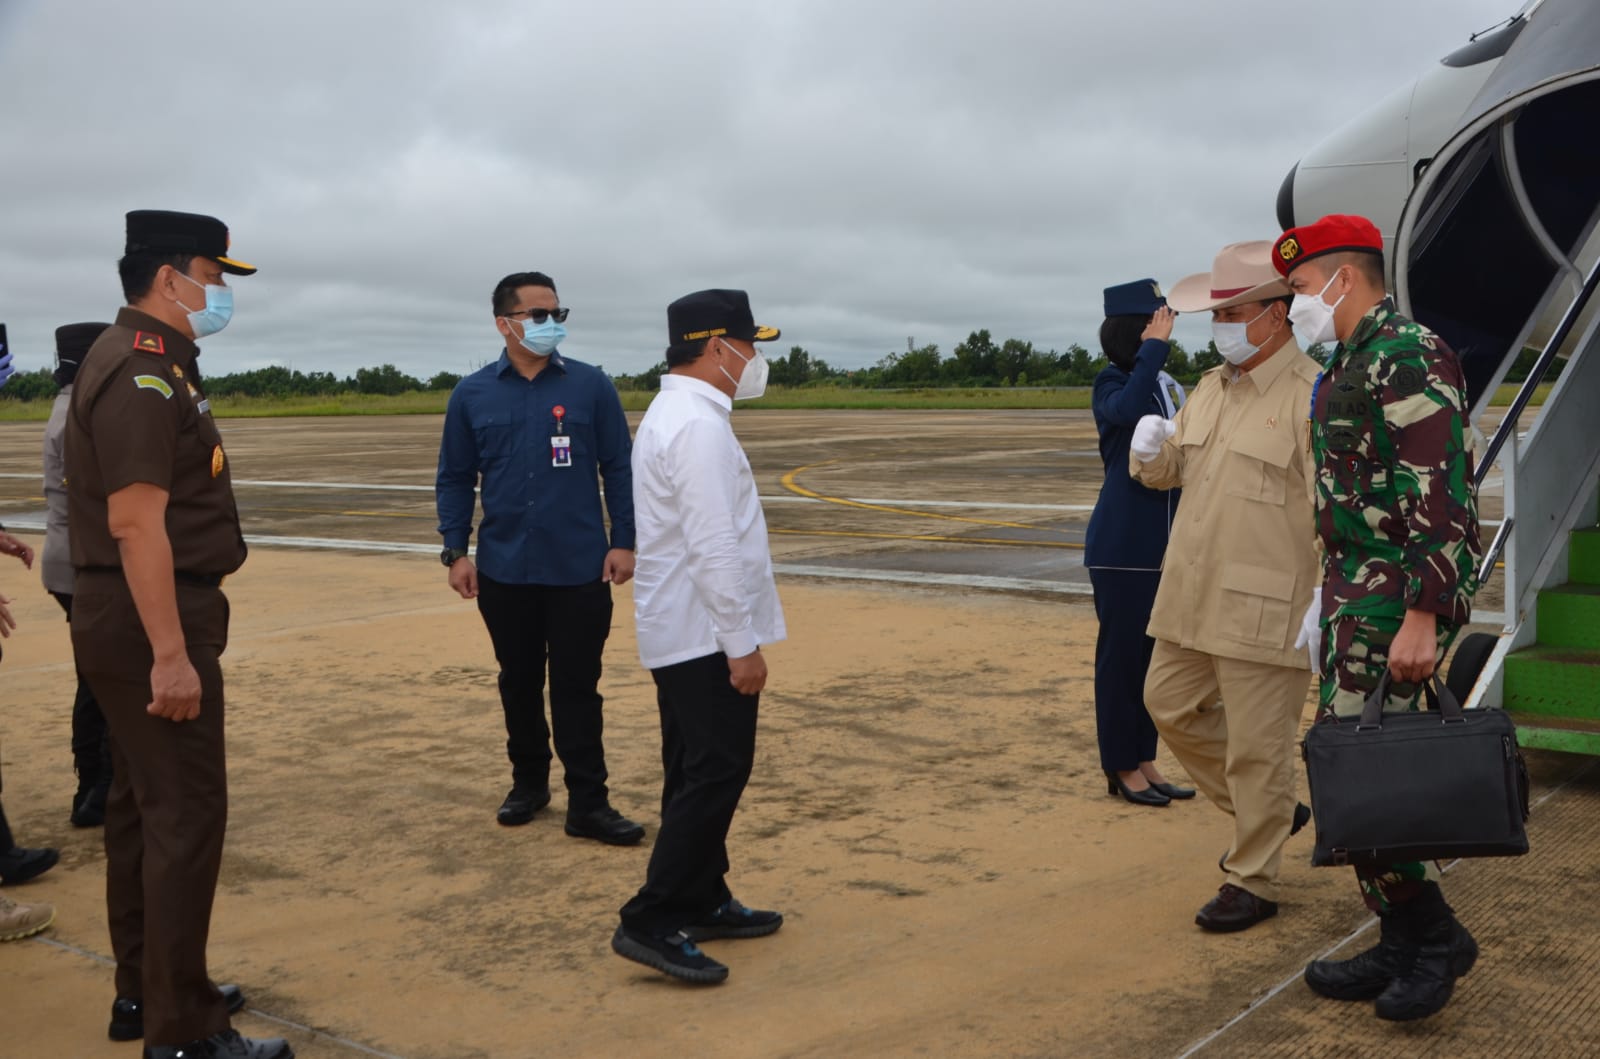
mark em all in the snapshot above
pixel 542 339
pixel 218 311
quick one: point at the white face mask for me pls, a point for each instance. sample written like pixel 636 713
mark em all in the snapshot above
pixel 752 382
pixel 217 312
pixel 1313 317
pixel 1232 341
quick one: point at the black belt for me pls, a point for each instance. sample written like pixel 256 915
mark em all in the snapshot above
pixel 204 580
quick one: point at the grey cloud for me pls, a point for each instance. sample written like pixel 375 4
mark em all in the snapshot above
pixel 869 171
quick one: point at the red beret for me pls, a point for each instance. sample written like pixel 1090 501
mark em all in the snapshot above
pixel 1334 234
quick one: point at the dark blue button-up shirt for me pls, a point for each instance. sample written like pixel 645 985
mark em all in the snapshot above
pixel 542 525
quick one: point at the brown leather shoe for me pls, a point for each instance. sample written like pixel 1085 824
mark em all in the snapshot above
pixel 1234 909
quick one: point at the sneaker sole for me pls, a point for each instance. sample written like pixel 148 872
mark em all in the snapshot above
pixel 718 932
pixel 28 932
pixel 629 949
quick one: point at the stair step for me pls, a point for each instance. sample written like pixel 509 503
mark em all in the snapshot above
pixel 1555 682
pixel 1583 562
pixel 1569 616
pixel 1551 733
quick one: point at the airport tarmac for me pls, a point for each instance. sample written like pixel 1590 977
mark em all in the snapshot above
pixel 926 805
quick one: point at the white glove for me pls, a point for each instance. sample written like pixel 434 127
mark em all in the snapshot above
pixel 1311 631
pixel 1148 435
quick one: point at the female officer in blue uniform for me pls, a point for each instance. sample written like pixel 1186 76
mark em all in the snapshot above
pixel 1127 538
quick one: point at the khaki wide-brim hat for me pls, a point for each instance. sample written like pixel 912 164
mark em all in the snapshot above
pixel 1242 273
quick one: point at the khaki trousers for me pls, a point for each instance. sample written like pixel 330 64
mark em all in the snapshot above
pixel 1232 725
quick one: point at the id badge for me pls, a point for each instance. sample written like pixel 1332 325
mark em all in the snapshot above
pixel 560 450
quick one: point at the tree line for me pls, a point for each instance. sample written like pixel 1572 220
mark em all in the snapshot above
pixel 275 381
pixel 979 361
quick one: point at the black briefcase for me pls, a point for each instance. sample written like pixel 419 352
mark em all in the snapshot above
pixel 1420 785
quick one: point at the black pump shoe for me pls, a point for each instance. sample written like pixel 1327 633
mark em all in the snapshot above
pixel 1173 791
pixel 1148 796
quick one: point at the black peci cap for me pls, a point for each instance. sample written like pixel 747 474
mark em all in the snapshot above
pixel 72 343
pixel 169 232
pixel 714 314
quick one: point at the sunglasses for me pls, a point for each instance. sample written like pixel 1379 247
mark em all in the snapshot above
pixel 539 316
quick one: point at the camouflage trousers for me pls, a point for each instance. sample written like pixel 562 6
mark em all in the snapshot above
pixel 1355 653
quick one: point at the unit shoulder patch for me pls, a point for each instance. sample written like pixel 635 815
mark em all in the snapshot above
pixel 153 382
pixel 1408 380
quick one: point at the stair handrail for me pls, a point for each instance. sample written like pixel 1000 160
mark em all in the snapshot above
pixel 1547 357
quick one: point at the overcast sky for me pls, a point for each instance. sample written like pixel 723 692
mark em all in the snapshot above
pixel 868 170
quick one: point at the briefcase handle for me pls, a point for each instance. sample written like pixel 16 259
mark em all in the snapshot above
pixel 1439 697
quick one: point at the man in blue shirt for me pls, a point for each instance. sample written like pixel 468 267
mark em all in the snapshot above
pixel 541 432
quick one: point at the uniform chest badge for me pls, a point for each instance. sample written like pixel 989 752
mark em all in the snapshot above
pixel 1272 422
pixel 218 461
pixel 177 373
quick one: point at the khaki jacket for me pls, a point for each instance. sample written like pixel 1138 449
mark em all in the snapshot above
pixel 1242 562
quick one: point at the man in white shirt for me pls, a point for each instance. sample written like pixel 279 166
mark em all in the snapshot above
pixel 704 603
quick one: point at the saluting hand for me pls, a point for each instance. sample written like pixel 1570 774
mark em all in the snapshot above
pixel 618 567
pixel 464 578
pixel 1160 325
pixel 748 675
pixel 10 545
pixel 176 687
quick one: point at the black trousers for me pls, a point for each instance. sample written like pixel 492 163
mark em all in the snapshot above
pixel 1123 600
pixel 167 811
pixel 91 739
pixel 708 744
pixel 566 626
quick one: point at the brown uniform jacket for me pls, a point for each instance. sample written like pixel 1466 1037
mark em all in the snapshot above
pixel 138 415
pixel 1242 562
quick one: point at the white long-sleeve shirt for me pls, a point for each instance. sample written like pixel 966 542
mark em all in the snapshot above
pixel 703 577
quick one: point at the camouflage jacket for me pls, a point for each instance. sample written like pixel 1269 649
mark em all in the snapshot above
pixel 1396 510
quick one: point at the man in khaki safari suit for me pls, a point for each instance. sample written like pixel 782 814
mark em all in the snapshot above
pixel 1227 684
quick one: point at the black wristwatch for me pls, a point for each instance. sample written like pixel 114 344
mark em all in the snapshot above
pixel 449 556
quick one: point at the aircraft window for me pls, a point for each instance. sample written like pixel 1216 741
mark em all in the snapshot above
pixel 1490 45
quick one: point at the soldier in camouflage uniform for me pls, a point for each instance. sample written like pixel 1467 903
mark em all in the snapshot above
pixel 1397 522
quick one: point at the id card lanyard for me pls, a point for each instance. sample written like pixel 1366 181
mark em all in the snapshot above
pixel 560 441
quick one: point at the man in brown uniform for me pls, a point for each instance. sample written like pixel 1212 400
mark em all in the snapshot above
pixel 154 532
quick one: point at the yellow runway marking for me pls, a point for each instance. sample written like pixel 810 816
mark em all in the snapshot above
pixel 789 482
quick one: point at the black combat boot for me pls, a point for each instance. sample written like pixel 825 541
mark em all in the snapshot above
pixel 1444 952
pixel 1365 975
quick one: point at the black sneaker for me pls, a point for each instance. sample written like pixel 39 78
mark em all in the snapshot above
pixel 734 920
pixel 521 804
pixel 674 954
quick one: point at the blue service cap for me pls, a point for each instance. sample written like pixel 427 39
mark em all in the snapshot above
pixel 1139 298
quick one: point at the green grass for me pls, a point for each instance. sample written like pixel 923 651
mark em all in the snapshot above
pixel 779 398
